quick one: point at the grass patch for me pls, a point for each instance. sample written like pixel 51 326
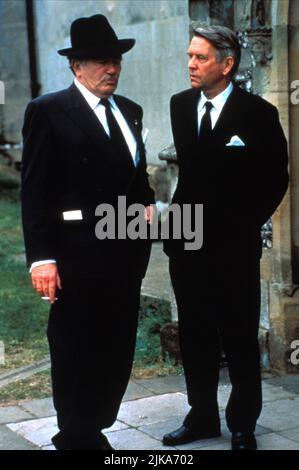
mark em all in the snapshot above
pixel 148 361
pixel 23 316
pixel 36 386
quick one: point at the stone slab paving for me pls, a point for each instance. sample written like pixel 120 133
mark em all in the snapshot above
pixel 275 392
pixel 266 441
pixel 130 439
pixel 289 382
pixel 13 414
pixel 9 440
pixel 38 431
pixel 151 408
pixel 157 281
pixel 273 441
pixel 223 441
pixel 136 390
pixel 158 429
pixel 270 441
pixel 292 434
pixel 39 408
pixel 169 384
pixel 280 415
pixel 270 393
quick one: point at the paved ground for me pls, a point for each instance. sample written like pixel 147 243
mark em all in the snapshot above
pixel 152 407
pixel 157 281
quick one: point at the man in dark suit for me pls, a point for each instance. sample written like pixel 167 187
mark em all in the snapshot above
pixel 232 158
pixel 83 147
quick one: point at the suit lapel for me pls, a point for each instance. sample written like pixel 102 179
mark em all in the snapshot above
pixel 85 118
pixel 132 122
pixel 129 117
pixel 191 118
pixel 227 123
pixel 79 110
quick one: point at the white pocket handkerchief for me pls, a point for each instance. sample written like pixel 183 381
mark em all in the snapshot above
pixel 72 215
pixel 235 141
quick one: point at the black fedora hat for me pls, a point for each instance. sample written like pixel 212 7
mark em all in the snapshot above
pixel 94 37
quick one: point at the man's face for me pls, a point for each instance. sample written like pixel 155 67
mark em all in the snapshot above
pixel 100 76
pixel 205 72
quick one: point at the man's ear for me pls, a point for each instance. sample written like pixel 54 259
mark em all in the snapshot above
pixel 76 66
pixel 228 65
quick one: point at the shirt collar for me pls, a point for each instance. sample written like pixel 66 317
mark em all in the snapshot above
pixel 91 99
pixel 219 100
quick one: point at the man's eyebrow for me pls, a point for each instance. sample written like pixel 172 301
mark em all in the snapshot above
pixel 189 53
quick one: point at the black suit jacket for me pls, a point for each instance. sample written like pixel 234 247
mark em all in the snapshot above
pixel 239 187
pixel 69 163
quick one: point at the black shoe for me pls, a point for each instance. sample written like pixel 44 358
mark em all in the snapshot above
pixel 183 435
pixel 243 441
pixel 103 443
pixel 60 442
pixel 100 442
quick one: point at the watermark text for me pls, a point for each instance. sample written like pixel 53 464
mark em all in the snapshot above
pixel 2 92
pixel 294 97
pixel 295 354
pixel 181 222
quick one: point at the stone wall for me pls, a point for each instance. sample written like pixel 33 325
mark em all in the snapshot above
pixel 14 68
pixel 294 123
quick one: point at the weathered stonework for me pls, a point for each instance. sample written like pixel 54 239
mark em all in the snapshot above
pixel 14 71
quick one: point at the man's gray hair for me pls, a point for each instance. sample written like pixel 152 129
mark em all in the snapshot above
pixel 225 42
pixel 75 59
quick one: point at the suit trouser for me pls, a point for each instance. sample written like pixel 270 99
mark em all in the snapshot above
pixel 219 307
pixel 92 334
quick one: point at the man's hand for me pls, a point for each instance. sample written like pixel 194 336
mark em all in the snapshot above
pixel 149 213
pixel 45 279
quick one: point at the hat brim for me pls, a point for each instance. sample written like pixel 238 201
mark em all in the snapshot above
pixel 101 50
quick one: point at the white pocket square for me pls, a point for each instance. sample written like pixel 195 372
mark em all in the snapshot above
pixel 72 215
pixel 235 141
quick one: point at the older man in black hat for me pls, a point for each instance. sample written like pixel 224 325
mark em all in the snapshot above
pixel 83 147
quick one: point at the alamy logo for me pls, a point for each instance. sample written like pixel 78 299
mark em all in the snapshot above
pixel 295 354
pixel 294 97
pixel 181 222
pixel 2 92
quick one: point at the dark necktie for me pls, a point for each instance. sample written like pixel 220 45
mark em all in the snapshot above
pixel 116 134
pixel 206 124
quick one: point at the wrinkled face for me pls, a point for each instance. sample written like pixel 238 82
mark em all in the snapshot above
pixel 205 72
pixel 100 76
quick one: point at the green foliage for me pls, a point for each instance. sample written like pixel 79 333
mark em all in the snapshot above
pixel 9 178
pixel 23 316
pixel 152 318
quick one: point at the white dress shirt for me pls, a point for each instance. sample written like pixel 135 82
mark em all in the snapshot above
pixel 218 102
pixel 99 110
